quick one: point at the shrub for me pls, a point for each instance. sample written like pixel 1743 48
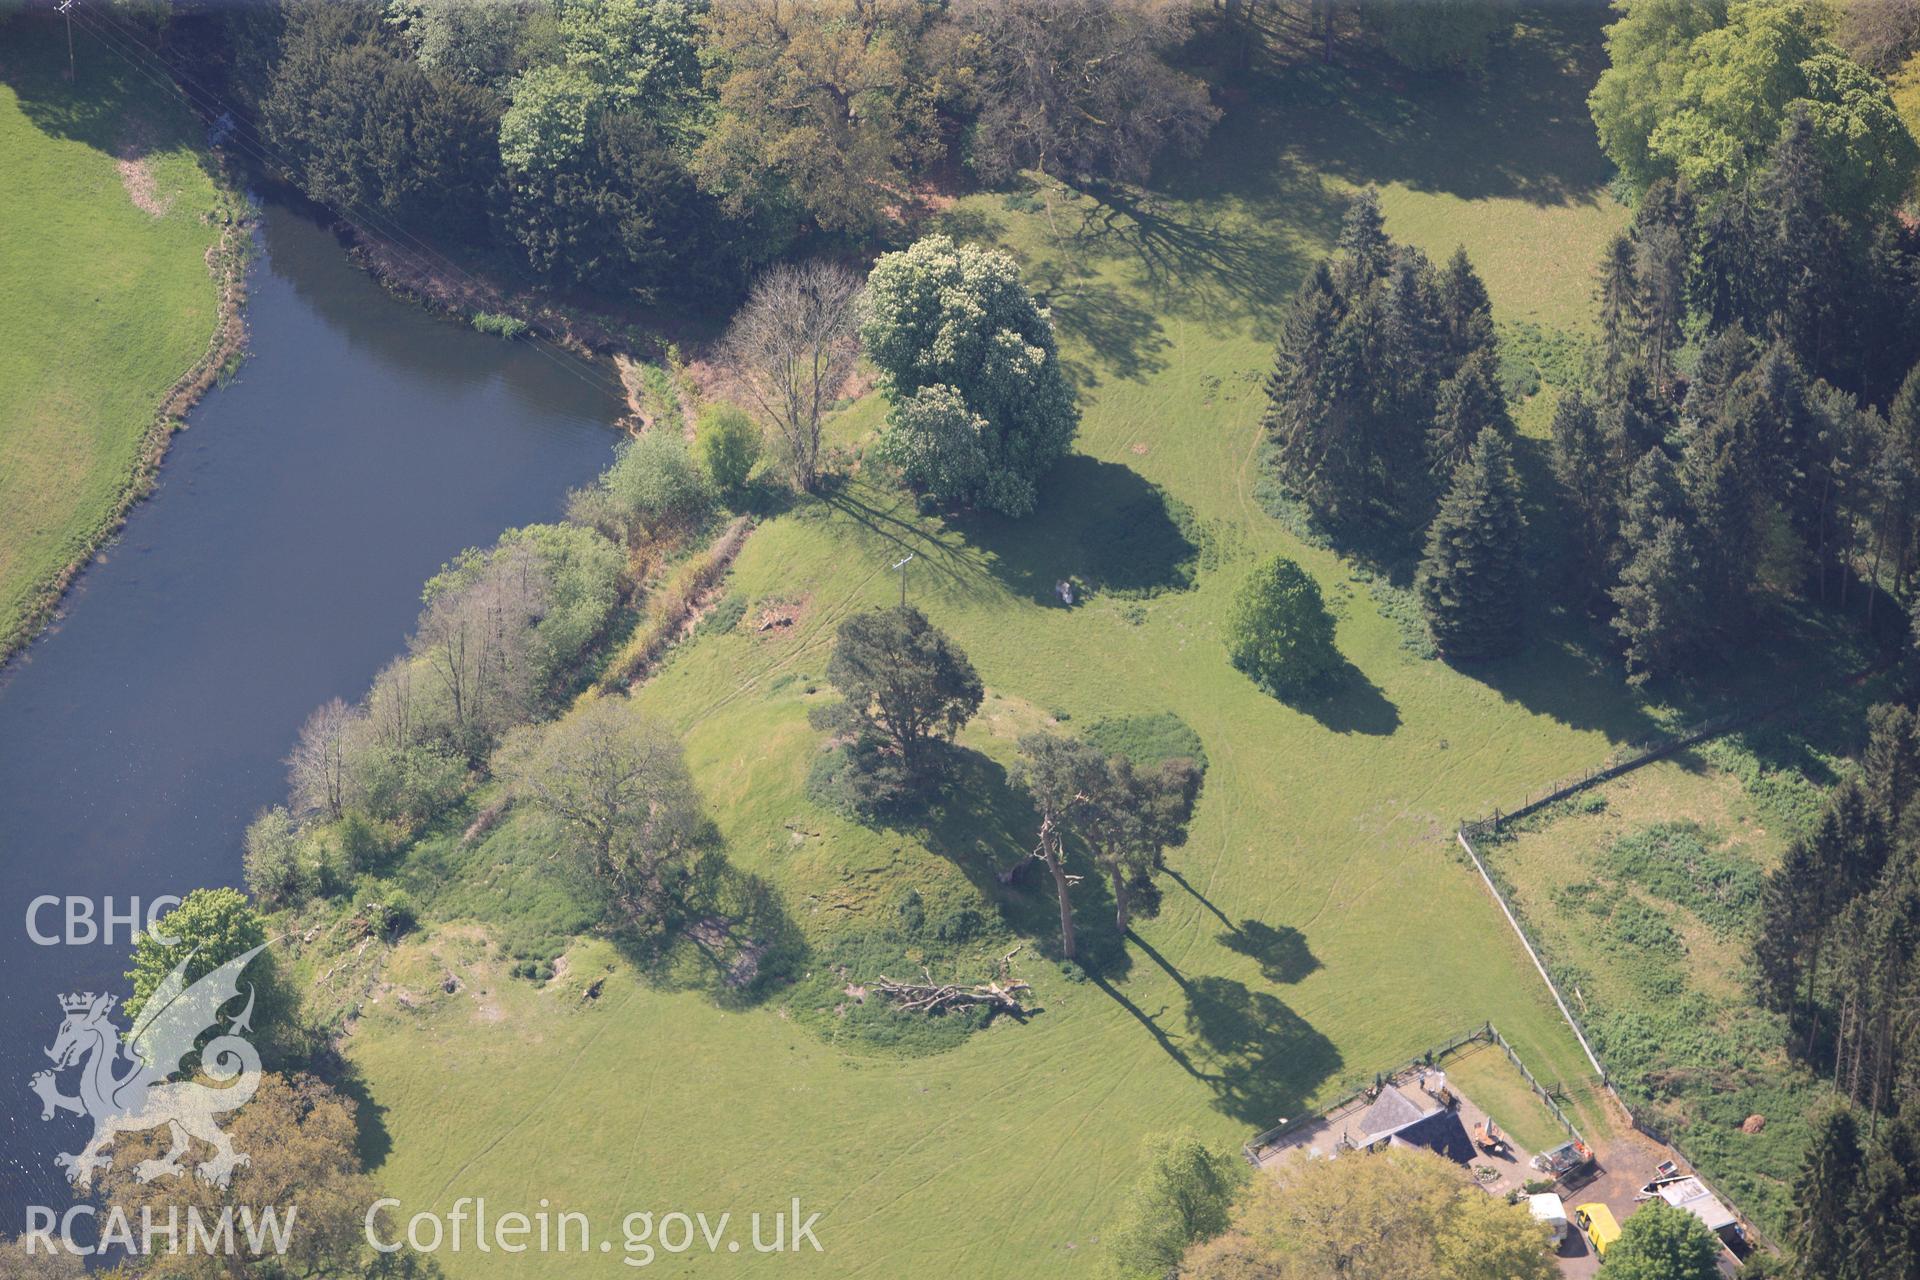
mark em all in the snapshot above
pixel 500 326
pixel 388 909
pixel 1280 633
pixel 653 486
pixel 275 868
pixel 1148 740
pixel 861 781
pixel 1671 861
pixel 729 444
pixel 723 617
pixel 406 784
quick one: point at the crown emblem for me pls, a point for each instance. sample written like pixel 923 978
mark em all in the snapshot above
pixel 77 1002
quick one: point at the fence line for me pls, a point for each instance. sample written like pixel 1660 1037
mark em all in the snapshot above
pixel 1606 1081
pixel 1533 955
pixel 1646 751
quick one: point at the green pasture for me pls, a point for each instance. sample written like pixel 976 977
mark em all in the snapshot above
pixel 1317 926
pixel 102 305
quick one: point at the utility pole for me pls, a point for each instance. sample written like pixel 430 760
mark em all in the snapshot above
pixel 66 11
pixel 901 565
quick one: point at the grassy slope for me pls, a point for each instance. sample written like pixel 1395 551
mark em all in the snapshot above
pixel 1317 927
pixel 102 305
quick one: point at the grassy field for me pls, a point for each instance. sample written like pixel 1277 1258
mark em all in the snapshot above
pixel 1644 896
pixel 103 303
pixel 1316 927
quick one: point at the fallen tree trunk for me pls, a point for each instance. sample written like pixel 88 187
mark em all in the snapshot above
pixel 1001 994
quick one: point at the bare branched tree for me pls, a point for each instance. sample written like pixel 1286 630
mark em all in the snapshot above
pixel 477 640
pixel 317 770
pixel 792 347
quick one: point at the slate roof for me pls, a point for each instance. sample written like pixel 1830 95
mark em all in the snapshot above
pixel 1392 1112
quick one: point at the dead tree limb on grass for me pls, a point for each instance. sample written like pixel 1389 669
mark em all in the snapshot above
pixel 1002 994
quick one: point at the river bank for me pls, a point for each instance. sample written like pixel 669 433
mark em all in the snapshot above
pixel 277 564
pixel 122 289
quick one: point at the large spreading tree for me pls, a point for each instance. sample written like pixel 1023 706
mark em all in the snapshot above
pixel 981 405
pixel 616 790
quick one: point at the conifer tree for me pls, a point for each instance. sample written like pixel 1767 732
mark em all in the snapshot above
pixel 1663 251
pixel 1471 580
pixel 1726 504
pixel 1890 765
pixel 1468 403
pixel 1886 1207
pixel 1618 294
pixel 1363 238
pixel 1661 613
pixel 1823 1195
pixel 1312 401
pixel 1465 309
pixel 1590 476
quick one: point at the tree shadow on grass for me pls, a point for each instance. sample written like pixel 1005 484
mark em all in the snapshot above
pixel 1099 524
pixel 1521 131
pixel 1198 261
pixel 726 933
pixel 1281 952
pixel 1123 336
pixel 372 1142
pixel 891 526
pixel 986 826
pixel 1265 1061
pixel 1352 704
pixel 1261 1059
pixel 111 102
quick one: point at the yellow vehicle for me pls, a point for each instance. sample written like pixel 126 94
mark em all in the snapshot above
pixel 1597 1221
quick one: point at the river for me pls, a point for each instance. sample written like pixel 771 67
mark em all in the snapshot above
pixel 277 565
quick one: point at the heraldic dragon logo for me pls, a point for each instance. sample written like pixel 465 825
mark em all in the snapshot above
pixel 145 1096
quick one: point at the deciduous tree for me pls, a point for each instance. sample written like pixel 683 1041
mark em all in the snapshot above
pixel 1661 1242
pixel 958 317
pixel 1081 88
pixel 1280 633
pixel 616 788
pixel 1181 1197
pixel 792 347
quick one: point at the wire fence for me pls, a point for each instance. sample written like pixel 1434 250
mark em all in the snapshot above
pixel 1645 751
pixel 1640 1123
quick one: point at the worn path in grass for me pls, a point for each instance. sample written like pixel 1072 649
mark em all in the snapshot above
pixel 1316 926
pixel 105 298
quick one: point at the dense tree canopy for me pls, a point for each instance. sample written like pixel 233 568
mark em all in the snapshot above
pixel 1702 92
pixel 1395 1215
pixel 1280 633
pixel 1661 1242
pixel 1182 1196
pixel 981 406
pixel 828 107
pixel 1081 88
pixel 1385 374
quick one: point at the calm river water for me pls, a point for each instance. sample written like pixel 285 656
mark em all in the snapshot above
pixel 279 564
